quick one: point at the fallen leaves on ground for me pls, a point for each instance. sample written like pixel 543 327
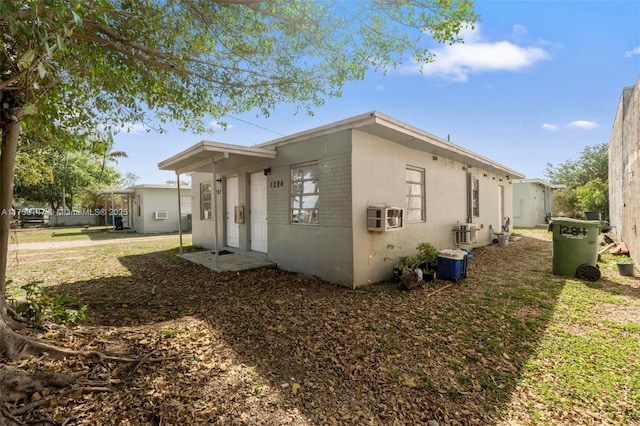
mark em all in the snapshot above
pixel 268 347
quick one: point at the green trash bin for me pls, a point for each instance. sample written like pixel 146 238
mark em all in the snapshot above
pixel 575 248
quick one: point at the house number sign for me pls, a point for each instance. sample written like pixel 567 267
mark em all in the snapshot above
pixel 276 184
pixel 573 231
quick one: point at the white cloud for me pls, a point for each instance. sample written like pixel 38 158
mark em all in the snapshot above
pixel 634 51
pixel 583 124
pixel 380 87
pixel 551 127
pixel 476 55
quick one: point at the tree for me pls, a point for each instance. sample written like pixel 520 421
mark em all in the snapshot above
pixel 586 180
pixel 104 148
pixel 73 175
pixel 129 179
pixel 69 66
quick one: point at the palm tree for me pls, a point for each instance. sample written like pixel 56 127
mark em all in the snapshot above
pixel 104 149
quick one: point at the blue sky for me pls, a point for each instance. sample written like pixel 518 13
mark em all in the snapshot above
pixel 534 83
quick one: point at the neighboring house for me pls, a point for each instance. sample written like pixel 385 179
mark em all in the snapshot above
pixel 150 209
pixel 532 202
pixel 624 171
pixel 344 201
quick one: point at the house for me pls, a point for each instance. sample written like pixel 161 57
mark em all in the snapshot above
pixel 344 201
pixel 149 209
pixel 532 202
pixel 624 170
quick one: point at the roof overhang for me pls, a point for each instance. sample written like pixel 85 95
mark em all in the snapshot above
pixel 200 156
pixel 542 183
pixel 116 191
pixel 386 127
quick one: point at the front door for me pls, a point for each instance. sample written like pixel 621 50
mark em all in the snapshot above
pixel 258 212
pixel 233 229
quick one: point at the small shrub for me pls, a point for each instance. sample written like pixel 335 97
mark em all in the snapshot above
pixel 39 306
pixel 428 252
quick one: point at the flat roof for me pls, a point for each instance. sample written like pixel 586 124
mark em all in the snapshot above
pixel 374 122
pixel 541 182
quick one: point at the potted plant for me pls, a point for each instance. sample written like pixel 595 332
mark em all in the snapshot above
pixel 428 255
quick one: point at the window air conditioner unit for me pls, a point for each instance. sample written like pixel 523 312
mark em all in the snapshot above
pixel 466 233
pixel 160 214
pixel 384 218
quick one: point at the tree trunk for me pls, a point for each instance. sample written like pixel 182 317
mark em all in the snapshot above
pixel 10 133
pixel 10 121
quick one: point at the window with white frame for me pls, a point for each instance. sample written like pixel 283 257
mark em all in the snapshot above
pixel 305 194
pixel 205 201
pixel 475 197
pixel 415 194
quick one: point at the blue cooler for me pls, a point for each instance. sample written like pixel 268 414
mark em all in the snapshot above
pixel 452 265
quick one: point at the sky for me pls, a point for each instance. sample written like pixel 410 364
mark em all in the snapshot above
pixel 534 84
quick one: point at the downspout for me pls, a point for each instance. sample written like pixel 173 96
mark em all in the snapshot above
pixel 214 195
pixel 179 210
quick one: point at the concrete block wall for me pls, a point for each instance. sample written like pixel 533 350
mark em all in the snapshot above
pixel 624 170
pixel 335 181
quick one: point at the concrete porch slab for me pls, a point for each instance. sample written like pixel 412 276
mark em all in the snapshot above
pixel 226 262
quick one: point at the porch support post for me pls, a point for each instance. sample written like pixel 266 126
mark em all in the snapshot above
pixel 214 195
pixel 179 210
pixel 113 218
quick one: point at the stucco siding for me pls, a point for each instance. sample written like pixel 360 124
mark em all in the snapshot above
pixel 379 177
pixel 532 202
pixel 160 199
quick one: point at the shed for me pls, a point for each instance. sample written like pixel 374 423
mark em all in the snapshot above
pixel 344 201
pixel 150 208
pixel 533 202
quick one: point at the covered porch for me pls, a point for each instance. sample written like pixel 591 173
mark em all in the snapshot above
pixel 220 203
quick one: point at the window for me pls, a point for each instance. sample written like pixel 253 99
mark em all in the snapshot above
pixel 138 206
pixel 205 201
pixel 305 194
pixel 475 197
pixel 415 194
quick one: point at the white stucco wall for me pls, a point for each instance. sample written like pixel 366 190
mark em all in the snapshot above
pixel 531 202
pixel 379 178
pixel 156 198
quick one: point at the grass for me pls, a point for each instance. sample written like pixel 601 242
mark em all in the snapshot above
pixel 60 263
pixel 56 234
pixel 587 357
pixel 511 338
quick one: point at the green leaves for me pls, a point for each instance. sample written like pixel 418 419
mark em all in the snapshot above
pixel 109 62
pixel 39 306
pixel 587 181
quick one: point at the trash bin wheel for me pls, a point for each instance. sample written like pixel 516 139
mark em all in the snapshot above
pixel 588 272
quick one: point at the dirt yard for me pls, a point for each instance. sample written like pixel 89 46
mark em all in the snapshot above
pixel 267 347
